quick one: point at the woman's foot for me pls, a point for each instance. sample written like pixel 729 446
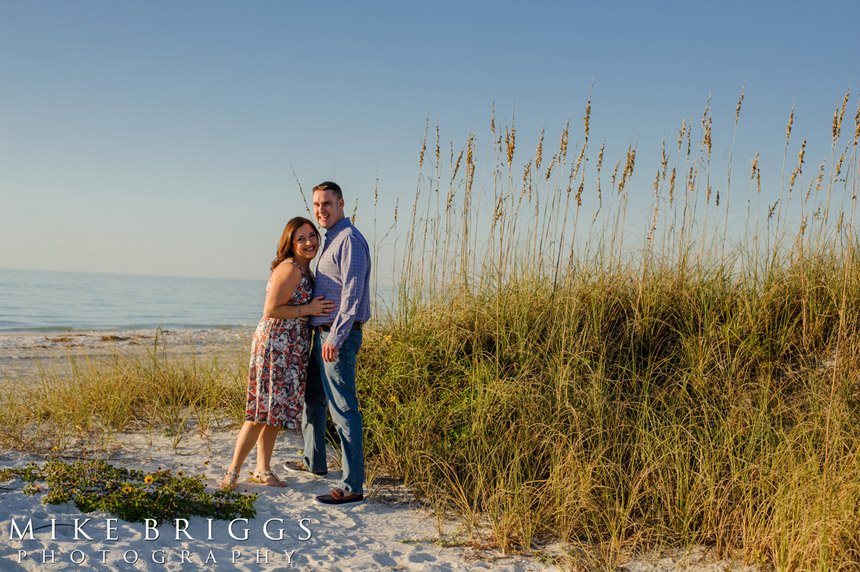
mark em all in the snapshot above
pixel 267 478
pixel 228 483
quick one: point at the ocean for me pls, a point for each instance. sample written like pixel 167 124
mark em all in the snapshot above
pixel 39 300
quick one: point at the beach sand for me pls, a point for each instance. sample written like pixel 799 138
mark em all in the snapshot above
pixel 22 354
pixel 391 530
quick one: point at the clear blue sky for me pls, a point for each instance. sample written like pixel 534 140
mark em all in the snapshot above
pixel 159 137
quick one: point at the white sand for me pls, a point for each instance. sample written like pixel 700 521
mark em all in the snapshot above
pixel 23 353
pixel 387 531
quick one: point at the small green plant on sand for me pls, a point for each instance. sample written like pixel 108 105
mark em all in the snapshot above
pixel 132 495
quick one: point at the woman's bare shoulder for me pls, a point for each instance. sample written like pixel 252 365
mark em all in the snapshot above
pixel 285 271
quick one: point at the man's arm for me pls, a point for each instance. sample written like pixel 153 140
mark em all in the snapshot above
pixel 354 264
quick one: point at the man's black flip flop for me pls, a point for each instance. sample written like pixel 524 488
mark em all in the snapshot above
pixel 339 496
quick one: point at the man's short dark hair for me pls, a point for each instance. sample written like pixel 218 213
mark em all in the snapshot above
pixel 329 186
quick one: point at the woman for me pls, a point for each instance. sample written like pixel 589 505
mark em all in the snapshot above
pixel 279 353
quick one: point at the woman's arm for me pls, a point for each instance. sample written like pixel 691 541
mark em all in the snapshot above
pixel 285 278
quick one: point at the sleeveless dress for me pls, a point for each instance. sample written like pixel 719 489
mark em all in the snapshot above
pixel 279 365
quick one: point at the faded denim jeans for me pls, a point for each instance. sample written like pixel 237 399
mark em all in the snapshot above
pixel 333 384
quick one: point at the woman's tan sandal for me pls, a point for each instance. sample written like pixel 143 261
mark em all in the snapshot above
pixel 267 478
pixel 228 483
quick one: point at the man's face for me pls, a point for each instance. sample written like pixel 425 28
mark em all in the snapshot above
pixel 327 208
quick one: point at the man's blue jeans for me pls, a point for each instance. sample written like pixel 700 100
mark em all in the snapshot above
pixel 333 383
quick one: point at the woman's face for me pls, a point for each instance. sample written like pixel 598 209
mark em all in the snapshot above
pixel 305 242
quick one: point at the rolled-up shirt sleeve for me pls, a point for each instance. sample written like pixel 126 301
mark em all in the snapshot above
pixel 354 269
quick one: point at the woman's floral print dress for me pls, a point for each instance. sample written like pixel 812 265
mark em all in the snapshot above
pixel 279 365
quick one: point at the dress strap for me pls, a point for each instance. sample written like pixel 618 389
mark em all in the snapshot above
pixel 302 270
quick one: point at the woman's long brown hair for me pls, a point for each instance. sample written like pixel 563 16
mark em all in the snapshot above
pixel 285 245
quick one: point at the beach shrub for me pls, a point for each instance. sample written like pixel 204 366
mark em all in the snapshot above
pixel 132 495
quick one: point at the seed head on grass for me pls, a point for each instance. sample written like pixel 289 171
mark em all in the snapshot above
pixel 510 143
pixel 839 165
pixel 838 116
pixel 857 124
pixel 738 107
pixel 563 140
pixel 756 174
pixel 672 186
pixel 539 150
pixel 799 168
pixel 423 144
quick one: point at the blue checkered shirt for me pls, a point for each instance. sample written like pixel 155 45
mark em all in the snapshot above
pixel 343 275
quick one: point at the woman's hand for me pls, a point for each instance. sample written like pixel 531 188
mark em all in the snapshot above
pixel 319 306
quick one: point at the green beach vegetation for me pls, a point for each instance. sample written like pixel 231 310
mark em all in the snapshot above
pixel 547 374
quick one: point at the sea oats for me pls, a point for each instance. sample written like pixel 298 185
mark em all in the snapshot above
pixel 628 168
pixel 511 142
pixel 788 127
pixel 834 130
pixel 423 145
pixel 689 138
pixel 839 115
pixel 798 170
pixel 672 187
pixel 549 167
pixel 740 102
pixel 527 181
pixel 493 120
pixel 707 122
pixel 470 162
pixel 857 124
pixel 772 209
pixel 578 163
pixel 438 149
pixel 839 165
pixel 570 180
pixel 615 173
pixel 498 211
pixel 562 144
pixel 599 171
pixel 756 173
pixel 539 150
pixel 587 118
pixel 301 191
pixel 654 218
pixel 456 166
pixel 664 161
pixel 819 180
pixel 681 133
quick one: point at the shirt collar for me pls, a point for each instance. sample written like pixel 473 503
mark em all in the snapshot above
pixel 338 226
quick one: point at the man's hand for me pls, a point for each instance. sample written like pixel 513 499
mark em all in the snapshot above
pixel 329 352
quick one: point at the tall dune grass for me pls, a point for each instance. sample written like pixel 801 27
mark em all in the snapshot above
pixel 553 371
pixel 562 377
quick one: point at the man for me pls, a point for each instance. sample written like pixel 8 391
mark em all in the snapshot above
pixel 342 275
